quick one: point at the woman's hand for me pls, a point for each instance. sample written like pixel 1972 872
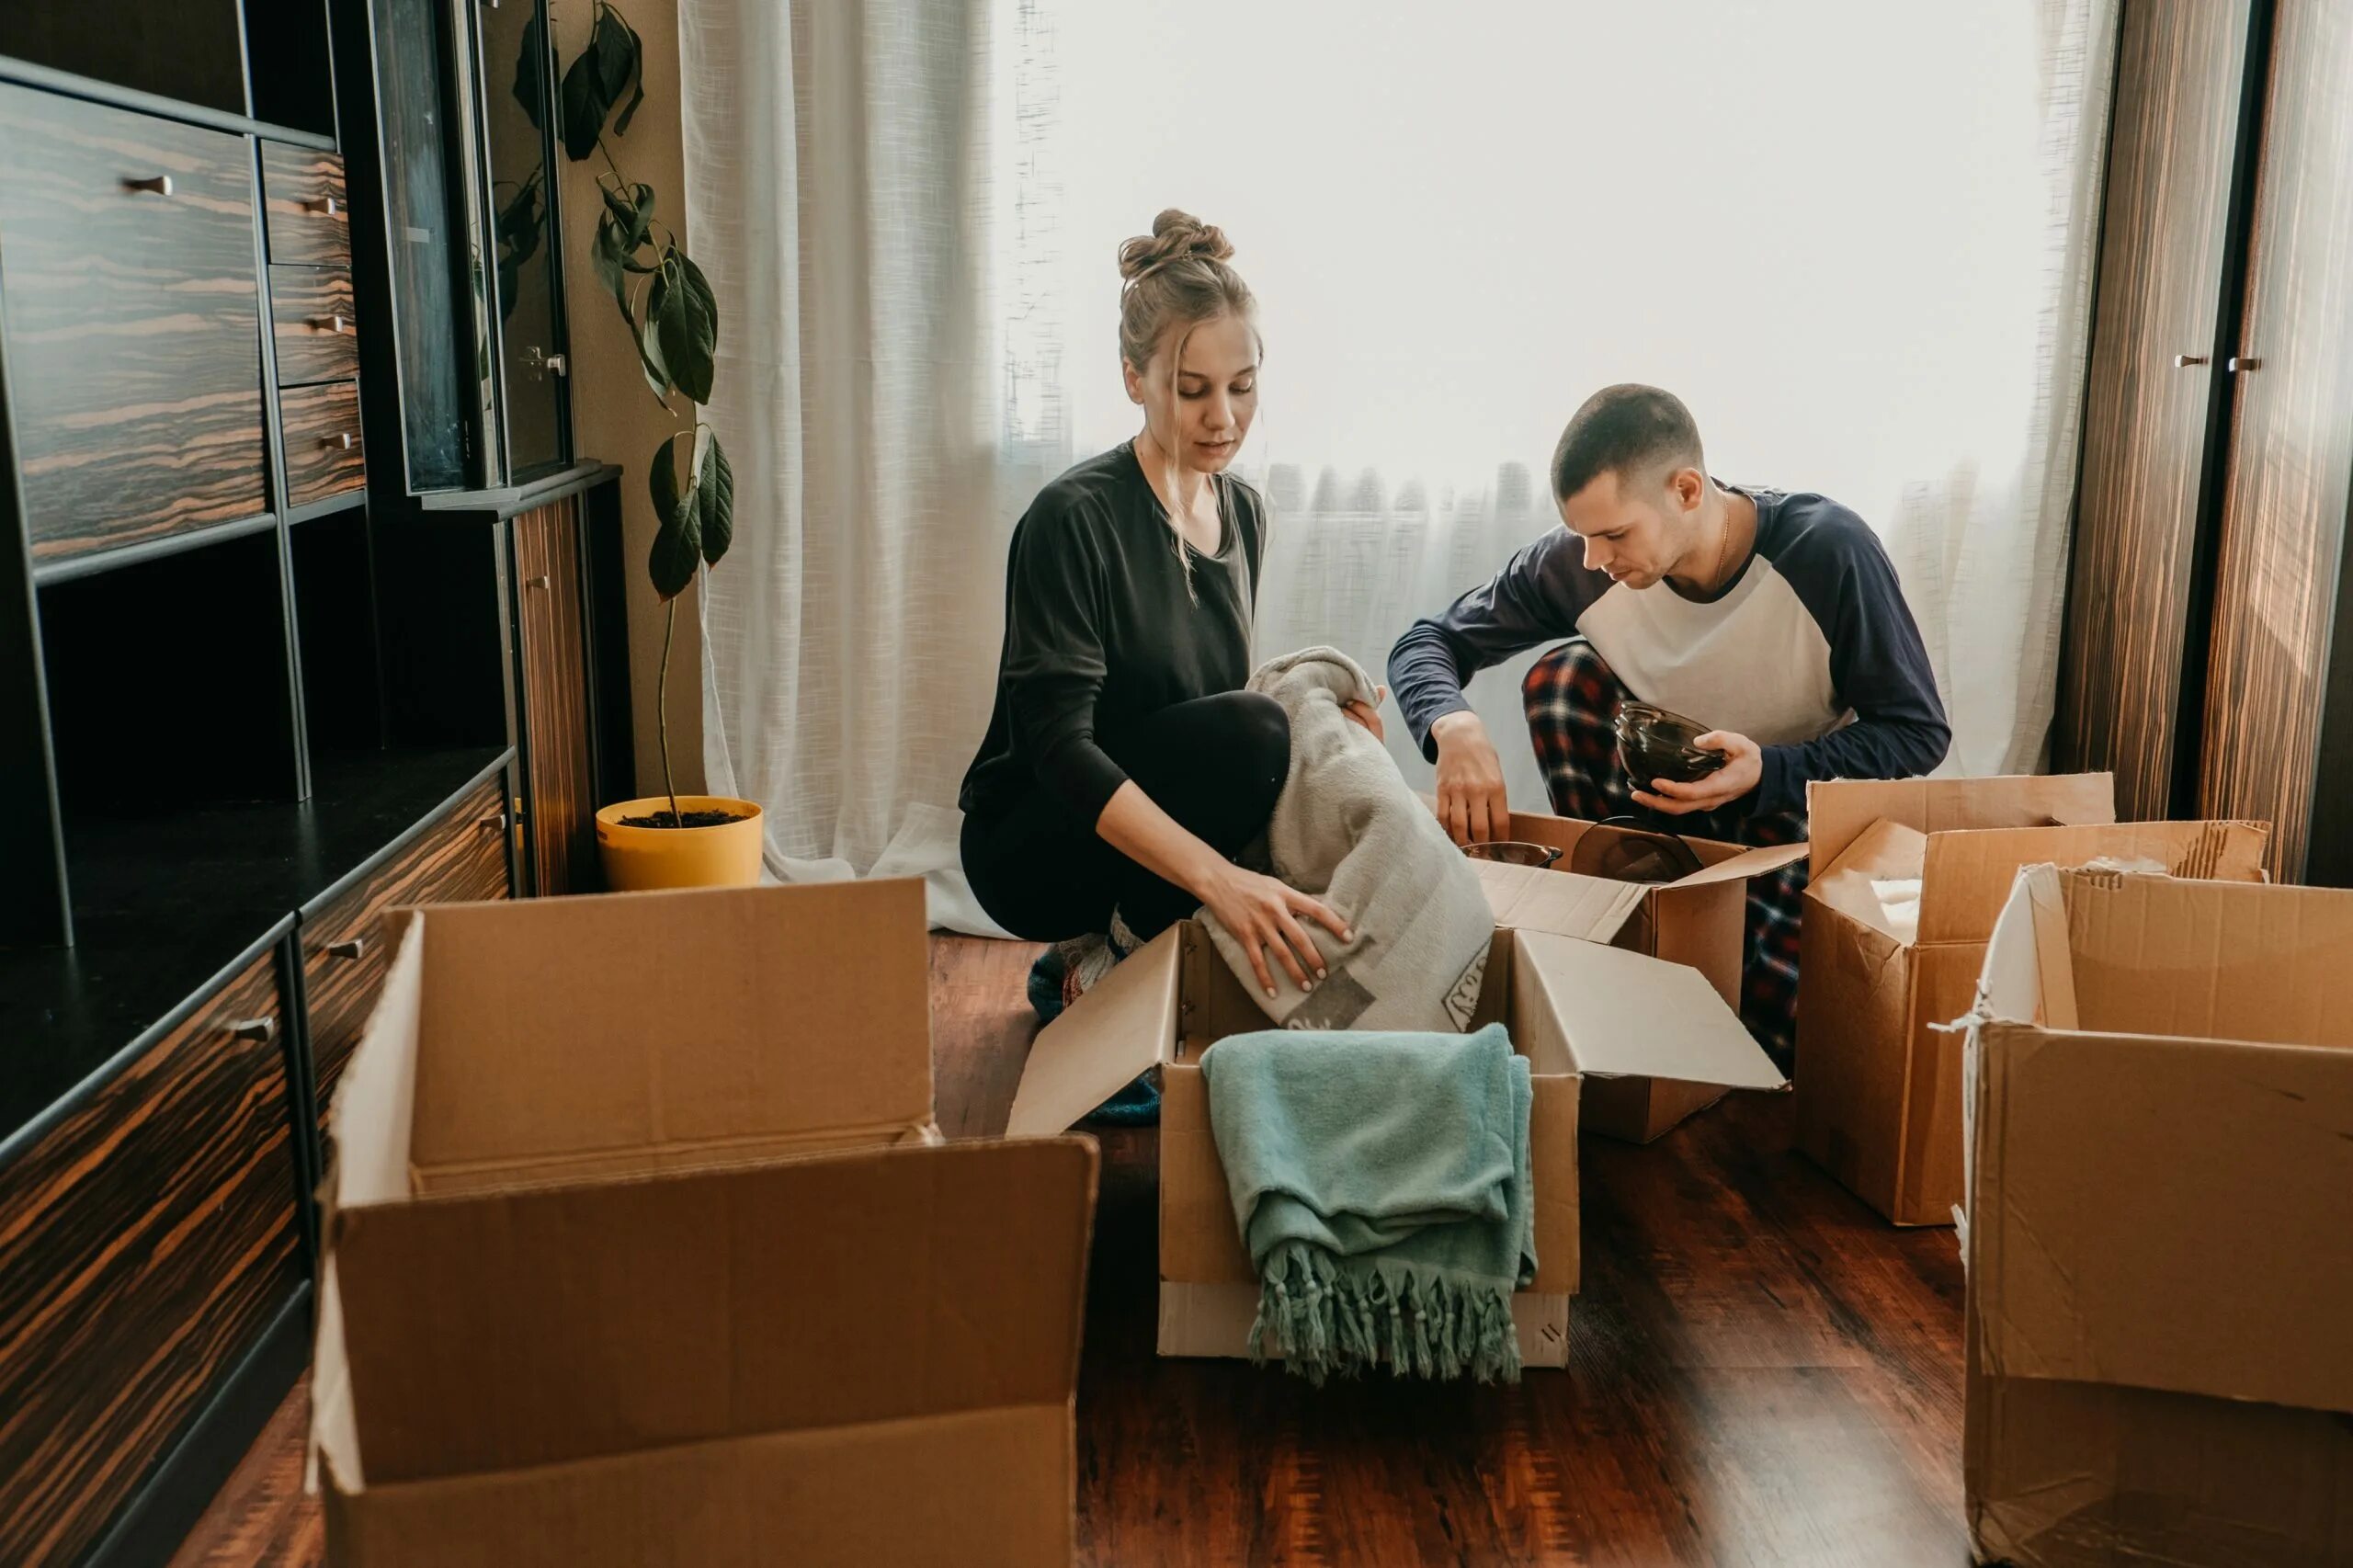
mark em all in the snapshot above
pixel 1264 916
pixel 1369 713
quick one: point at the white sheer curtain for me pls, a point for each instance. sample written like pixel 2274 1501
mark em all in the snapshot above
pixel 1856 237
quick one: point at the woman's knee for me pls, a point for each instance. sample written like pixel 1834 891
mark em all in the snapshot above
pixel 1259 734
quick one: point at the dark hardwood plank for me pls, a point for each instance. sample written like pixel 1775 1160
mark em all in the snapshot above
pixel 151 1239
pixel 133 322
pixel 461 858
pixel 2284 531
pixel 326 453
pixel 561 815
pixel 1763 1374
pixel 310 319
pixel 306 210
pixel 186 49
pixel 2164 244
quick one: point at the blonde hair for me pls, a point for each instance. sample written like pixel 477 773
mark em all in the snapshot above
pixel 1173 281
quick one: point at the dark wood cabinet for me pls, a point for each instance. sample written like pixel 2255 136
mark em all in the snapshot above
pixel 312 325
pixel 133 315
pixel 560 770
pixel 325 447
pixel 163 1214
pixel 255 692
pixel 461 857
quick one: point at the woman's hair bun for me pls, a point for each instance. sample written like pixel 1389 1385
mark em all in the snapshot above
pixel 1176 236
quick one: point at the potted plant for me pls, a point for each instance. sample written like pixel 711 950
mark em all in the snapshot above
pixel 668 840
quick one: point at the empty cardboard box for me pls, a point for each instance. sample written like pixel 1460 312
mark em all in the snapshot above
pixel 1572 1006
pixel 2160 1369
pixel 642 1250
pixel 1907 878
pixel 1699 920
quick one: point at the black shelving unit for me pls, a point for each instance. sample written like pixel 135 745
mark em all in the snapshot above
pixel 265 671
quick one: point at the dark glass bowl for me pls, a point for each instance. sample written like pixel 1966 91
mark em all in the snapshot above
pixel 1656 743
pixel 1513 853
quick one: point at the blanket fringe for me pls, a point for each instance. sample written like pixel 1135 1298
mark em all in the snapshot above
pixel 1324 1315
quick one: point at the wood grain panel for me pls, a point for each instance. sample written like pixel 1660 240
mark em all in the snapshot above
pixel 326 453
pixel 132 323
pixel 561 813
pixel 2292 457
pixel 2163 246
pixel 310 319
pixel 461 858
pixel 145 1242
pixel 1761 1373
pixel 306 210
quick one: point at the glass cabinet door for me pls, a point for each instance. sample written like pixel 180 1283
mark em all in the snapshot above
pixel 518 90
pixel 426 226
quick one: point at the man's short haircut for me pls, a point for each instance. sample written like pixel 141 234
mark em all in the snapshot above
pixel 1626 430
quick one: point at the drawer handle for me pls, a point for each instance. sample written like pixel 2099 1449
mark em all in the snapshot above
pixel 339 326
pixel 161 185
pixel 495 818
pixel 2187 361
pixel 254 1029
pixel 538 582
pixel 340 440
pixel 2244 362
pixel 324 206
pixel 350 947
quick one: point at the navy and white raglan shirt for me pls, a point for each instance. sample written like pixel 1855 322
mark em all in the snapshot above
pixel 1810 652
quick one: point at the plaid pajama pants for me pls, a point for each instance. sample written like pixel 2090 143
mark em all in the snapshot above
pixel 1572 697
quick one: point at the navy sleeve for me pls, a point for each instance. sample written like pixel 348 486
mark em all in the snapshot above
pixel 1054 656
pixel 1537 595
pixel 1877 662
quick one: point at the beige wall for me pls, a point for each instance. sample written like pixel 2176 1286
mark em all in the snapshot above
pixel 614 416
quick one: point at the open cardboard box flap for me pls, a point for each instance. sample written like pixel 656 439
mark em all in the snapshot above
pixel 1527 898
pixel 1630 1015
pixel 578 1035
pixel 1967 876
pixel 1886 851
pixel 1839 811
pixel 2165 1137
pixel 1103 1042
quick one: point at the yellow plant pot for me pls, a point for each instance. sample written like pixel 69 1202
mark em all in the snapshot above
pixel 638 860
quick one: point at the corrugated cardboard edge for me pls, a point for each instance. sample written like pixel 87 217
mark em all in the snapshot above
pixel 1532 898
pixel 1103 1042
pixel 1214 1321
pixel 1838 811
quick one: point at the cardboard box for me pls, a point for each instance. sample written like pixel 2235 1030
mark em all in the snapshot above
pixel 1878 1090
pixel 1572 1006
pixel 1701 920
pixel 641 1249
pixel 2160 1306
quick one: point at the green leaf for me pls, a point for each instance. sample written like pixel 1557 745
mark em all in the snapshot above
pixel 636 77
pixel 620 232
pixel 531 71
pixel 632 211
pixel 648 342
pixel 688 322
pixel 677 544
pixel 581 105
pixel 715 495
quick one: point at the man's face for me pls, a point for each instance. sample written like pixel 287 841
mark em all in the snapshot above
pixel 1635 528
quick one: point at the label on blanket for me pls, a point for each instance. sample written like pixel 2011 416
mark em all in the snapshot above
pixel 1463 1000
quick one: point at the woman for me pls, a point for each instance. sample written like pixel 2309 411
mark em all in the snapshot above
pixel 1124 765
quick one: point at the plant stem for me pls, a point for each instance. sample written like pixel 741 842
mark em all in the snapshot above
pixel 662 710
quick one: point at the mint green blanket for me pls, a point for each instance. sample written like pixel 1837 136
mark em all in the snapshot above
pixel 1381 1185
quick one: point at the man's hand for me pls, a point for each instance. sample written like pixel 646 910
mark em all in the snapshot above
pixel 1727 784
pixel 1369 713
pixel 1469 781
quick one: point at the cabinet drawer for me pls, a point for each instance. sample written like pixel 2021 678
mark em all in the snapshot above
pixel 462 859
pixel 150 1239
pixel 310 311
pixel 133 321
pixel 325 454
pixel 305 211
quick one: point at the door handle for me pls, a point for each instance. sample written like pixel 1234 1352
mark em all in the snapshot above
pixel 2184 361
pixel 2243 362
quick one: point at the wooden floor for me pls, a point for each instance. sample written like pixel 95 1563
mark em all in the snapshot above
pixel 1763 1374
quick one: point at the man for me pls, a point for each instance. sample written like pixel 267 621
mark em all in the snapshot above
pixel 1774 618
